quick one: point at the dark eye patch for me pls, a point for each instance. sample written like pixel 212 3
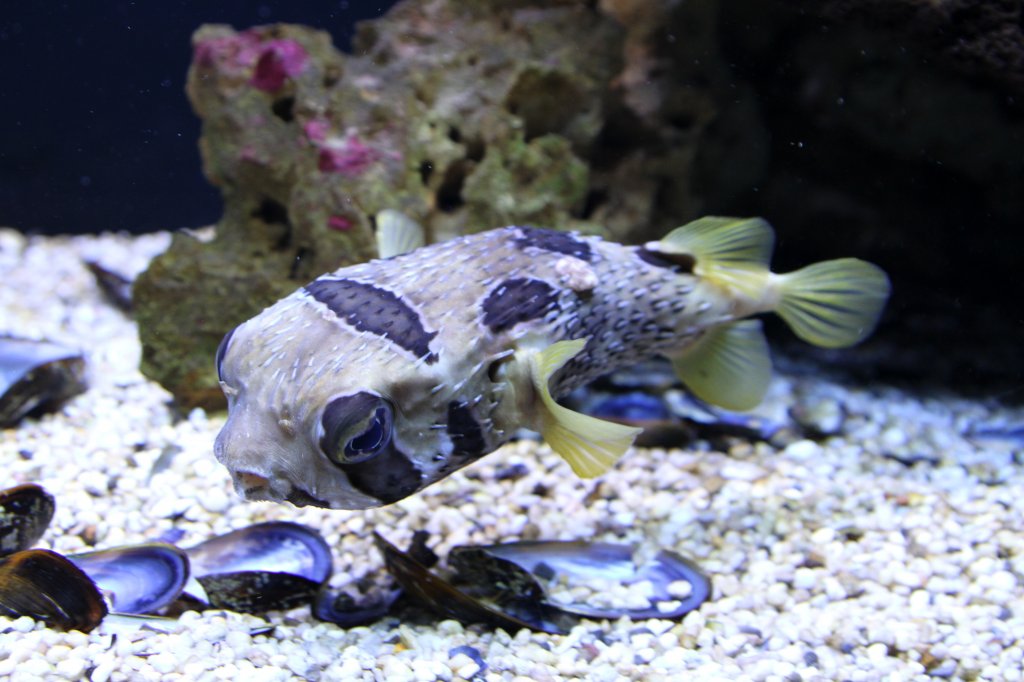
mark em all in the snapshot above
pixel 389 477
pixel 372 462
pixel 222 349
pixel 465 432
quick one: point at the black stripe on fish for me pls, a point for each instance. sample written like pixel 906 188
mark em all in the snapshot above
pixel 466 434
pixel 550 240
pixel 518 300
pixel 374 310
pixel 682 263
pixel 388 477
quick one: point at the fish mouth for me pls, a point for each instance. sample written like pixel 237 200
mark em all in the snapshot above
pixel 300 498
pixel 256 487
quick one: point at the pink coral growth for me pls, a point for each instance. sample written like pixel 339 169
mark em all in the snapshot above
pixel 339 222
pixel 351 158
pixel 271 62
pixel 280 59
pixel 231 54
pixel 316 130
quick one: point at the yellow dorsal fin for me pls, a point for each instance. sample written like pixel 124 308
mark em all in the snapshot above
pixel 729 366
pixel 590 445
pixel 833 304
pixel 723 242
pixel 731 252
pixel 397 233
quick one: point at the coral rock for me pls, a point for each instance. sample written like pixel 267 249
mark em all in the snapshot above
pixel 463 115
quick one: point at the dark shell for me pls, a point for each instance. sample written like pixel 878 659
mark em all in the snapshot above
pixel 511 569
pixel 25 513
pixel 116 288
pixel 342 609
pixel 650 396
pixel 139 578
pixel 710 420
pixel 257 591
pixel 634 406
pixel 442 598
pixel 36 376
pixel 46 586
pixel 266 566
pixel 1009 432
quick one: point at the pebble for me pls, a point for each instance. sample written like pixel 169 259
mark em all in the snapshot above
pixel 828 560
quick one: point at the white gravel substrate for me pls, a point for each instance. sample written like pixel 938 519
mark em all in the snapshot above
pixel 830 560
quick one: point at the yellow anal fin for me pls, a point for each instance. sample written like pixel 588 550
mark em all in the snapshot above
pixel 590 445
pixel 833 304
pixel 729 366
pixel 397 233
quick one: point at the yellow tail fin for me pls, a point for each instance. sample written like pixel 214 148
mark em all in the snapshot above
pixel 835 303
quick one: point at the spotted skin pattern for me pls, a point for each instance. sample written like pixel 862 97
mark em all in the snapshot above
pixel 441 334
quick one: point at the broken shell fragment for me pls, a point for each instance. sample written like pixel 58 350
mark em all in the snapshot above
pixel 607 575
pixel 649 412
pixel 263 567
pixel 46 586
pixel 116 288
pixel 137 579
pixel 341 608
pixel 25 513
pixel 710 420
pixel 36 376
pixel 441 597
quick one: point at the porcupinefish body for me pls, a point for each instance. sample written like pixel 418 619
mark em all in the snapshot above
pixel 378 379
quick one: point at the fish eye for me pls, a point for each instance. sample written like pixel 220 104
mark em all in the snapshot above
pixel 356 427
pixel 373 439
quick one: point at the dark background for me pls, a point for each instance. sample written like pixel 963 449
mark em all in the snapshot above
pixel 97 131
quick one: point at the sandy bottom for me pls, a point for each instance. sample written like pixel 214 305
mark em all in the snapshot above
pixel 890 550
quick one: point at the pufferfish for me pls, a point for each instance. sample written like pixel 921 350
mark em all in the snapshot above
pixel 376 380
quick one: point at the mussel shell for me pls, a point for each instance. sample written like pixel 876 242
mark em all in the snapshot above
pixel 266 566
pixel 442 598
pixel 139 578
pixel 510 568
pixel 46 586
pixel 257 591
pixel 340 608
pixel 710 420
pixel 25 513
pixel 649 412
pixel 116 288
pixel 36 376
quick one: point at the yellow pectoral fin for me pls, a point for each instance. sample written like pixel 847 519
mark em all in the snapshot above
pixel 730 366
pixel 590 445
